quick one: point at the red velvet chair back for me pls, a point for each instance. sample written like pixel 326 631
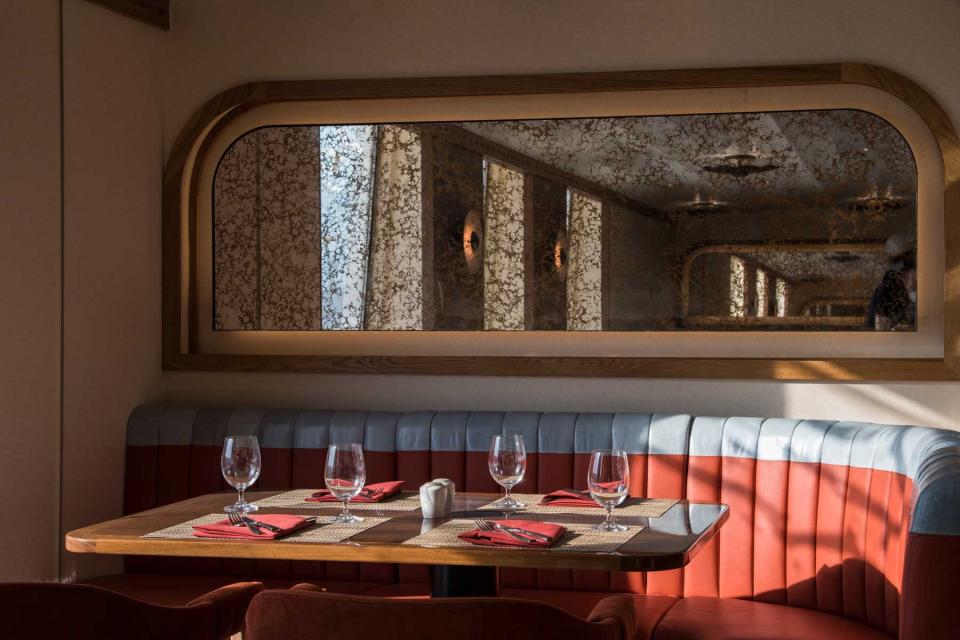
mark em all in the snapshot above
pixel 81 612
pixel 305 615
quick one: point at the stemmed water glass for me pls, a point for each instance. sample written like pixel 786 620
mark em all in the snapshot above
pixel 240 465
pixel 609 482
pixel 345 474
pixel 508 462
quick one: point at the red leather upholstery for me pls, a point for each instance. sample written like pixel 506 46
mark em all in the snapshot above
pixel 177 590
pixel 650 609
pixel 84 612
pixel 699 618
pixel 304 615
pixel 822 513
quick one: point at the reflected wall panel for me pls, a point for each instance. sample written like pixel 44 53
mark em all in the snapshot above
pixel 346 186
pixel 584 275
pixel 457 207
pixel 546 285
pixel 289 177
pixel 394 289
pixel 237 238
pixel 503 256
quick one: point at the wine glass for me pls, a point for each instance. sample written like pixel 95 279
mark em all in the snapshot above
pixel 608 481
pixel 508 462
pixel 345 474
pixel 240 465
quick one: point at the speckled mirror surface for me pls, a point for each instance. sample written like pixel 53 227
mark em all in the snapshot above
pixel 799 221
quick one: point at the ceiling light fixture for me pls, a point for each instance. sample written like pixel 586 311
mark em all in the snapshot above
pixel 699 206
pixel 878 203
pixel 739 164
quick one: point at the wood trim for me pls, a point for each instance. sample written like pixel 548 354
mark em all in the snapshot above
pixel 848 369
pixel 765 321
pixel 152 12
pixel 227 105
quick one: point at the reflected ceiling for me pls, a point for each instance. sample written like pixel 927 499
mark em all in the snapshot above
pixel 686 222
pixel 823 157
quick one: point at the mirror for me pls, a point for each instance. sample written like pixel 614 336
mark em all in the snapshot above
pixel 799 220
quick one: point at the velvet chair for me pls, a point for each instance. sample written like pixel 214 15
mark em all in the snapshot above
pixel 304 613
pixel 83 612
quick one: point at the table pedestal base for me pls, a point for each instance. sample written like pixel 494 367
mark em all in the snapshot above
pixel 449 581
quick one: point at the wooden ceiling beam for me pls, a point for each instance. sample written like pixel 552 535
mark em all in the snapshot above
pixel 152 12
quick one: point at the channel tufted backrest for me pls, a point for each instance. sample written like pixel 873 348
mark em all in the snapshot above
pixel 820 510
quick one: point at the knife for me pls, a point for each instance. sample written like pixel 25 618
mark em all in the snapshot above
pixel 261 525
pixel 254 529
pixel 515 531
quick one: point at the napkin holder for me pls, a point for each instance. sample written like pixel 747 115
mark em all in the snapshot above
pixel 435 496
pixel 450 492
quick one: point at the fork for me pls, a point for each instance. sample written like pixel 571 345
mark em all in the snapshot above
pixel 238 521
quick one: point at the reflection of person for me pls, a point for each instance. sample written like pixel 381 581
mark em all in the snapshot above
pixel 893 306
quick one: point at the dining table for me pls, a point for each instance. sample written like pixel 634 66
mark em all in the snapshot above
pixel 399 534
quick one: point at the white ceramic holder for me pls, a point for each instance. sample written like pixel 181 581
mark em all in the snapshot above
pixel 450 491
pixel 433 500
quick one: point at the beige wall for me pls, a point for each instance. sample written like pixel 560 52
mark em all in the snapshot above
pixel 220 43
pixel 113 169
pixel 108 353
pixel 29 286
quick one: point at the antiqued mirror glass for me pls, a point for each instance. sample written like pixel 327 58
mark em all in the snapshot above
pixel 799 220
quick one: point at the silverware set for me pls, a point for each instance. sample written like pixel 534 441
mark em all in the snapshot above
pixel 255 526
pixel 518 534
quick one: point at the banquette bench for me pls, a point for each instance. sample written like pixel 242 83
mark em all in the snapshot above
pixel 837 529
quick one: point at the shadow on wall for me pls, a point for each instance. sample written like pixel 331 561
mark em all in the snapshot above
pixel 921 404
pixel 924 404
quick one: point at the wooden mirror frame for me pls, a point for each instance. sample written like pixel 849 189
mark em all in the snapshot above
pixel 180 343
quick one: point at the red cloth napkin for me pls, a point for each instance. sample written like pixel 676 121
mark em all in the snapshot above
pixel 370 493
pixel 499 538
pixel 569 498
pixel 223 528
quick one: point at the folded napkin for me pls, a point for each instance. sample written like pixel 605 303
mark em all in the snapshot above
pixel 370 493
pixel 569 498
pixel 500 538
pixel 223 528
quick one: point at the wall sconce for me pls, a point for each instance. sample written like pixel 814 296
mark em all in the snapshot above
pixel 559 255
pixel 473 241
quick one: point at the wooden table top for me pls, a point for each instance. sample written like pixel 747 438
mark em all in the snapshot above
pixel 668 542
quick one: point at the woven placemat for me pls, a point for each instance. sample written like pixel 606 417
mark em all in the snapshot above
pixel 323 531
pixel 646 508
pixel 298 499
pixel 579 537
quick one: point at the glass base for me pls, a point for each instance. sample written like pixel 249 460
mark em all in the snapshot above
pixel 508 502
pixel 347 518
pixel 609 525
pixel 241 507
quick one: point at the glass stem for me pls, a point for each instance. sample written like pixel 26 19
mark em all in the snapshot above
pixel 609 508
pixel 240 490
pixel 508 498
pixel 345 512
